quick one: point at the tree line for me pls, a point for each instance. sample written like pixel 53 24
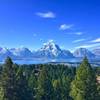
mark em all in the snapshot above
pixel 48 82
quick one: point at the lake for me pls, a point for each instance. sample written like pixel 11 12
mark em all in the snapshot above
pixel 43 61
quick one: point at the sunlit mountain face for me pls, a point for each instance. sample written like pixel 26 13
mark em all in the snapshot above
pixel 21 52
pixel 96 52
pixel 52 50
pixel 81 52
pixel 49 50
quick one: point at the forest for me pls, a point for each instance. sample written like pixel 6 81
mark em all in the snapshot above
pixel 49 81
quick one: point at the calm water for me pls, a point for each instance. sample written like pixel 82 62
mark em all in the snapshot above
pixel 42 61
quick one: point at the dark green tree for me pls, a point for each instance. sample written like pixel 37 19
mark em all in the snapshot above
pixel 57 90
pixel 32 83
pixel 45 88
pixel 99 90
pixel 66 82
pixel 23 90
pixel 8 81
pixel 84 85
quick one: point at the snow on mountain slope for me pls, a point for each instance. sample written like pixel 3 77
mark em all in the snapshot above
pixel 21 52
pixel 82 52
pixel 52 50
pixel 49 50
pixel 4 52
pixel 96 52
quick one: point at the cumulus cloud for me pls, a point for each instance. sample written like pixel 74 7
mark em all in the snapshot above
pixel 96 40
pixel 65 26
pixel 46 14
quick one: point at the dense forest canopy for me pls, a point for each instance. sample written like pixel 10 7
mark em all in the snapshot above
pixel 49 81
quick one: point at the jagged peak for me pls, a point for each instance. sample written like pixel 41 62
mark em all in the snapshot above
pixel 49 42
pixel 4 50
pixel 50 45
pixel 81 52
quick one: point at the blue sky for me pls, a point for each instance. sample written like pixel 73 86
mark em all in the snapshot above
pixel 30 23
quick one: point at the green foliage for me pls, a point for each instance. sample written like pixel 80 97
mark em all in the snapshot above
pixel 66 81
pixel 23 91
pixel 97 71
pixel 13 85
pixel 99 90
pixel 48 82
pixel 32 83
pixel 45 88
pixel 84 86
pixel 57 90
pixel 62 88
pixel 8 81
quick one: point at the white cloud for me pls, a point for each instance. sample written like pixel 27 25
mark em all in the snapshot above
pixel 76 33
pixel 70 26
pixel 89 45
pixel 65 26
pixel 96 40
pixel 46 14
pixel 79 40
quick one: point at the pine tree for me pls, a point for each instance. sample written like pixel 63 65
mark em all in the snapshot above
pixel 57 90
pixel 84 86
pixel 45 88
pixel 32 83
pixel 99 90
pixel 66 81
pixel 8 81
pixel 23 90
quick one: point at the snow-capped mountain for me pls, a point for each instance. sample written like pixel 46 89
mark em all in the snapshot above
pixel 4 52
pixel 49 50
pixel 52 50
pixel 21 52
pixel 96 52
pixel 66 54
pixel 82 52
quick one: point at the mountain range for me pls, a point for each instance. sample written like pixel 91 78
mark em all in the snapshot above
pixel 49 50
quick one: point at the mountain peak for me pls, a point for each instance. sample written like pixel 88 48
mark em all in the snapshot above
pixel 49 42
pixel 23 52
pixel 82 52
pixel 3 50
pixel 51 47
pixel 51 50
pixel 97 51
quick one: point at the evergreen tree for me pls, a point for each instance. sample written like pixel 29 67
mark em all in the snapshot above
pixel 66 81
pixel 23 90
pixel 99 90
pixel 57 90
pixel 45 88
pixel 32 83
pixel 8 81
pixel 84 86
